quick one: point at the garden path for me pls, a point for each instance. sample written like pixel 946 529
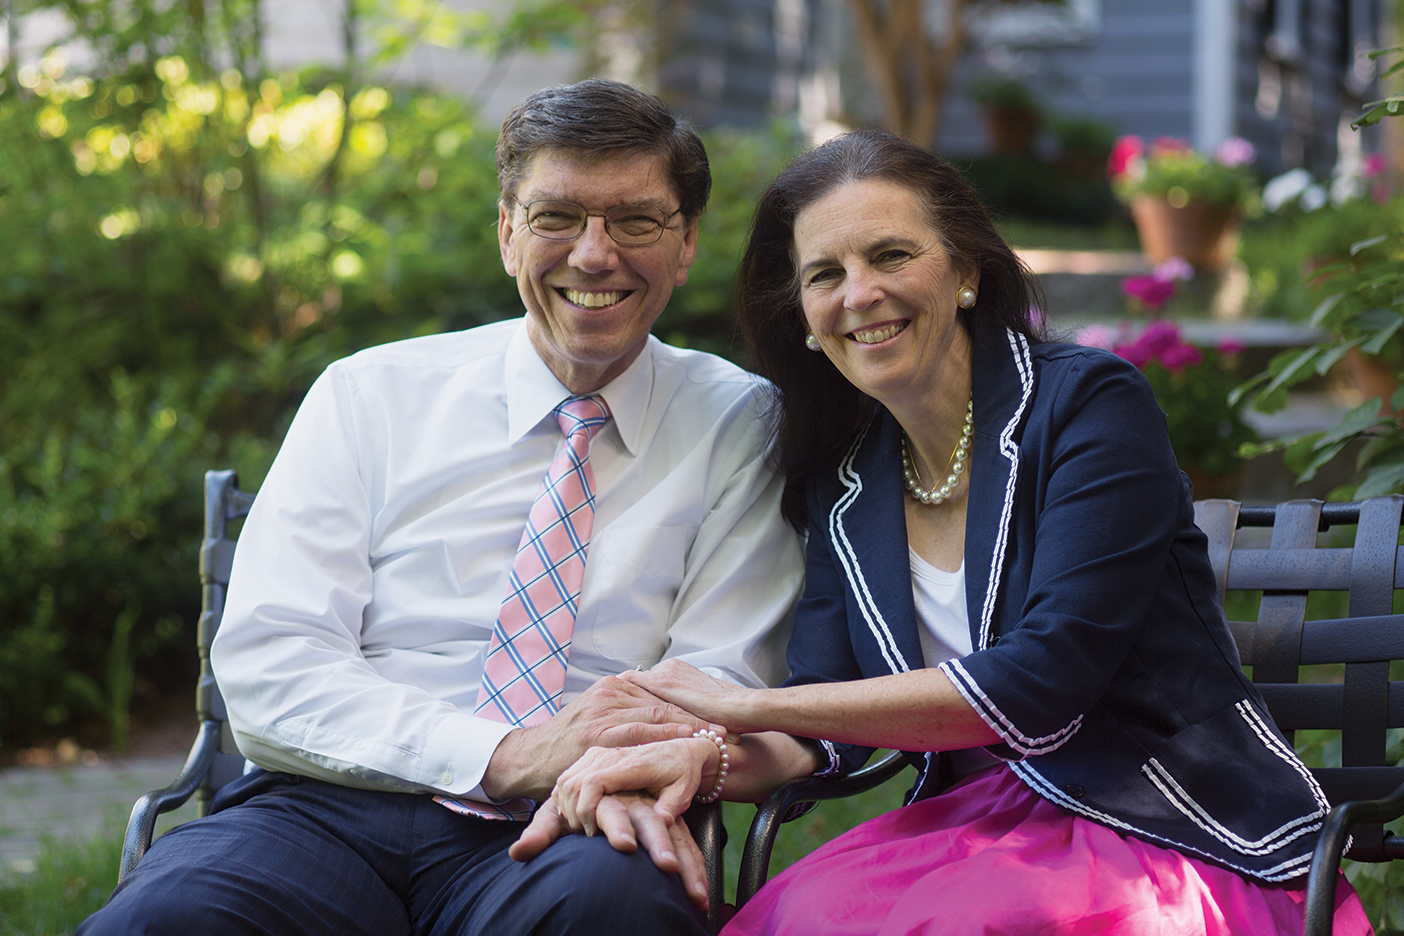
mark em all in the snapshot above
pixel 76 802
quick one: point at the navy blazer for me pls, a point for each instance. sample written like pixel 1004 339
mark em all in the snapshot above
pixel 1101 654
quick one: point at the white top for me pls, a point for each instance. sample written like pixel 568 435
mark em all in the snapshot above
pixel 945 635
pixel 940 607
pixel 368 574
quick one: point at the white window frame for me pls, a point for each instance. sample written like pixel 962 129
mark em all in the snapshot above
pixel 1035 25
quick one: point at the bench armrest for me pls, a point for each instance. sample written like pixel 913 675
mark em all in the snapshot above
pixel 142 823
pixel 755 861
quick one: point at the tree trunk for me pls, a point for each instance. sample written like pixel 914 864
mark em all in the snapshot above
pixel 912 72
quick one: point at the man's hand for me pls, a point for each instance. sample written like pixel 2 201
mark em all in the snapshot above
pixel 612 713
pixel 626 819
pixel 670 772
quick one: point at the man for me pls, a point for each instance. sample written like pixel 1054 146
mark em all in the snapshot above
pixel 389 694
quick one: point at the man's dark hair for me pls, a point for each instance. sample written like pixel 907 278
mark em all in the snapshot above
pixel 817 411
pixel 596 119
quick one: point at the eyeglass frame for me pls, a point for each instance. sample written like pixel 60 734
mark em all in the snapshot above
pixel 603 215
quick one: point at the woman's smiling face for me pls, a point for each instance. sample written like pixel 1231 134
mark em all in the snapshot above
pixel 878 289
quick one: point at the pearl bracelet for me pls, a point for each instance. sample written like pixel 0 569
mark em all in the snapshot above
pixel 716 791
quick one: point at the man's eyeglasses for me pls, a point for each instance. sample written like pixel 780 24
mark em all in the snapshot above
pixel 632 225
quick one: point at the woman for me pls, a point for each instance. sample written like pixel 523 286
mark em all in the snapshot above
pixel 1049 621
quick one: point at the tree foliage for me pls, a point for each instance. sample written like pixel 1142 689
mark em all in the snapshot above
pixel 1363 313
pixel 190 240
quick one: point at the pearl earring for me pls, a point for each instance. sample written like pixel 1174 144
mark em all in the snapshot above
pixel 965 298
pixel 811 341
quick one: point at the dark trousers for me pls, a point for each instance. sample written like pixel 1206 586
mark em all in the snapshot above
pixel 280 854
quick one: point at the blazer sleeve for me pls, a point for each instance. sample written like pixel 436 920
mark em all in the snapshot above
pixel 821 649
pixel 1100 502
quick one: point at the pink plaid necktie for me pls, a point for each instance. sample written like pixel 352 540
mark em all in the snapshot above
pixel 524 672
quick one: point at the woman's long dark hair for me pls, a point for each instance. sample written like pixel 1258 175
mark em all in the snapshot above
pixel 817 411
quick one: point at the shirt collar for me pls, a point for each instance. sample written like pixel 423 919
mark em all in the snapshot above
pixel 533 391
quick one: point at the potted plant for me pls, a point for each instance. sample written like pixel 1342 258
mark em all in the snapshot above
pixel 1013 114
pixel 1192 385
pixel 1084 144
pixel 1328 221
pixel 1183 203
pixel 1362 310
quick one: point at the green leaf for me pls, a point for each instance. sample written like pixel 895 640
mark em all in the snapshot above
pixel 1291 368
pixel 1254 449
pixel 1331 356
pixel 1361 419
pixel 1389 324
pixel 1369 242
pixel 1376 111
pixel 84 686
pixel 1302 456
pixel 1243 389
pixel 1272 400
pixel 1319 314
pixel 1385 50
pixel 1382 479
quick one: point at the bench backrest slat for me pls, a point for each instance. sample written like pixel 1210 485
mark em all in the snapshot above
pixel 1364 704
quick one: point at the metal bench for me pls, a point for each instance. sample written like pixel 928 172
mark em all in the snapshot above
pixel 214 760
pixel 1366 789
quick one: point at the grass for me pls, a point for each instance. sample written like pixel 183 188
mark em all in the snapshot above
pixel 797 839
pixel 69 882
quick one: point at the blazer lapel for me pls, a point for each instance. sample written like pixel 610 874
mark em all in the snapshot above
pixel 1002 385
pixel 868 532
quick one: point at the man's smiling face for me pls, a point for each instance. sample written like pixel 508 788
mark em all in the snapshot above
pixel 591 301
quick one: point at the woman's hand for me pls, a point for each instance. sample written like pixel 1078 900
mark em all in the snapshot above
pixel 626 819
pixel 708 698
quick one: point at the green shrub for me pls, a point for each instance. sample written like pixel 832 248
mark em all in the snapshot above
pixel 183 263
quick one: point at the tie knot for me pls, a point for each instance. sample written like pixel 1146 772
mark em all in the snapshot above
pixel 582 413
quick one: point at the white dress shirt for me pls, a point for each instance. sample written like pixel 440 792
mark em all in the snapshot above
pixel 368 575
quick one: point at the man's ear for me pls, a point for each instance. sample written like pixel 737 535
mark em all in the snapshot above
pixel 687 251
pixel 505 229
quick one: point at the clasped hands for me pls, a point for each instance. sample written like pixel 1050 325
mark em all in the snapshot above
pixel 634 792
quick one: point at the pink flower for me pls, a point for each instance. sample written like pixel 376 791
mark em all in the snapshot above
pixel 1136 353
pixel 1177 358
pixel 1152 290
pixel 1127 150
pixel 1228 346
pixel 1098 336
pixel 1174 268
pixel 1235 151
pixel 1160 337
pixel 1373 165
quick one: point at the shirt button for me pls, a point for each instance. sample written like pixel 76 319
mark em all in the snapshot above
pixel 1074 790
pixel 446 778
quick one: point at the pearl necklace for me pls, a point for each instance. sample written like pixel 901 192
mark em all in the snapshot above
pixel 913 480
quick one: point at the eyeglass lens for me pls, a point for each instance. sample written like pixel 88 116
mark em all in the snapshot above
pixel 627 224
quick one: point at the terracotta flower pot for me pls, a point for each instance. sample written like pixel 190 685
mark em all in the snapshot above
pixel 1372 378
pixel 1208 485
pixel 1205 235
pixel 1012 129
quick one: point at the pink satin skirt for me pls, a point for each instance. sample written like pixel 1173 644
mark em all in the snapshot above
pixel 990 856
